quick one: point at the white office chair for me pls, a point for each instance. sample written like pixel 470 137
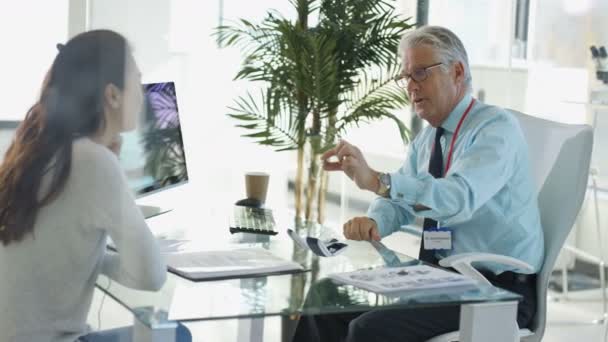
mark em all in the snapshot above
pixel 560 155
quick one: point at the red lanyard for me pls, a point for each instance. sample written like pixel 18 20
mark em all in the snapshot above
pixel 449 163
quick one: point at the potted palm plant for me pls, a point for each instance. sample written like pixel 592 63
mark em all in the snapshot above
pixel 317 81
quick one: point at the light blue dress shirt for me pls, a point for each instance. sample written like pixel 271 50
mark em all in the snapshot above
pixel 487 196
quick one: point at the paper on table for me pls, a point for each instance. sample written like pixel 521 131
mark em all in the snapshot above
pixel 325 248
pixel 402 279
pixel 229 264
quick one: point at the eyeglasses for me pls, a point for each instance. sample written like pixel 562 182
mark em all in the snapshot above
pixel 418 75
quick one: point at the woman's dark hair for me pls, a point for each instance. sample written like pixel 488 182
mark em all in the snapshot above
pixel 71 105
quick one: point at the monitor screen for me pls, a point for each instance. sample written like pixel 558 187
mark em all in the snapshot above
pixel 153 154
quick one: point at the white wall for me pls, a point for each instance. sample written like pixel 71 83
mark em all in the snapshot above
pixel 502 86
pixel 173 41
pixel 565 30
pixel 29 31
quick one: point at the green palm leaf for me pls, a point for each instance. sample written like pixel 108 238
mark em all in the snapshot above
pixel 376 96
pixel 318 81
pixel 267 125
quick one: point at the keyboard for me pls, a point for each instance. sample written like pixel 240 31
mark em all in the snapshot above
pixel 252 220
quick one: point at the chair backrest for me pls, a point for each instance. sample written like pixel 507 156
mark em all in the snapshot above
pixel 560 155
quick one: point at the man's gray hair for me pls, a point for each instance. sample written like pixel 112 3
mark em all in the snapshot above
pixel 446 44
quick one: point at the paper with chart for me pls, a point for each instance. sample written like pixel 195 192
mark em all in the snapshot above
pixel 405 278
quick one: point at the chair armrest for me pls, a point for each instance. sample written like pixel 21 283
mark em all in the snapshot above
pixel 412 230
pixel 584 255
pixel 462 263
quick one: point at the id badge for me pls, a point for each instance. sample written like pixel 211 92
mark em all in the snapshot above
pixel 438 239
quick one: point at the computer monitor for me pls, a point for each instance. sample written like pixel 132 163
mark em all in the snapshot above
pixel 153 155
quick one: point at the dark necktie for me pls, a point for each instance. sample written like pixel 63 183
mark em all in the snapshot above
pixel 435 169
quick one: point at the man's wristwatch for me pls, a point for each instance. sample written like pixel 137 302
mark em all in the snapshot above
pixel 384 189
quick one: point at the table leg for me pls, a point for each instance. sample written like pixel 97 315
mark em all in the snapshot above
pixel 484 322
pixel 150 325
pixel 162 333
pixel 250 330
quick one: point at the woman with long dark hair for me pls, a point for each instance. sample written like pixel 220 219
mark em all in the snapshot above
pixel 62 192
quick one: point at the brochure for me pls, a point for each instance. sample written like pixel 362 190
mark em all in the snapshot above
pixel 405 278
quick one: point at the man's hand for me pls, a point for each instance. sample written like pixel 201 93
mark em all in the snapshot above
pixel 361 228
pixel 352 162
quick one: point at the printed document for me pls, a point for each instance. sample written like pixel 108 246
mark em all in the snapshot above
pixel 405 278
pixel 237 263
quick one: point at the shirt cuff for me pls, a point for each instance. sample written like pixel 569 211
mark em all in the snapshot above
pixel 376 213
pixel 405 188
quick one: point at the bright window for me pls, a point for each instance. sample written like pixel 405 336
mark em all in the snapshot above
pixel 29 31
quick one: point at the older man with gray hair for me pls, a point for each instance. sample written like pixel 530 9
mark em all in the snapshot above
pixel 467 173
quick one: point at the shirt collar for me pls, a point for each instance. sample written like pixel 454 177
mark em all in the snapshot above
pixel 452 121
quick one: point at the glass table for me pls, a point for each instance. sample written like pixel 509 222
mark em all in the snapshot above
pixel 288 296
